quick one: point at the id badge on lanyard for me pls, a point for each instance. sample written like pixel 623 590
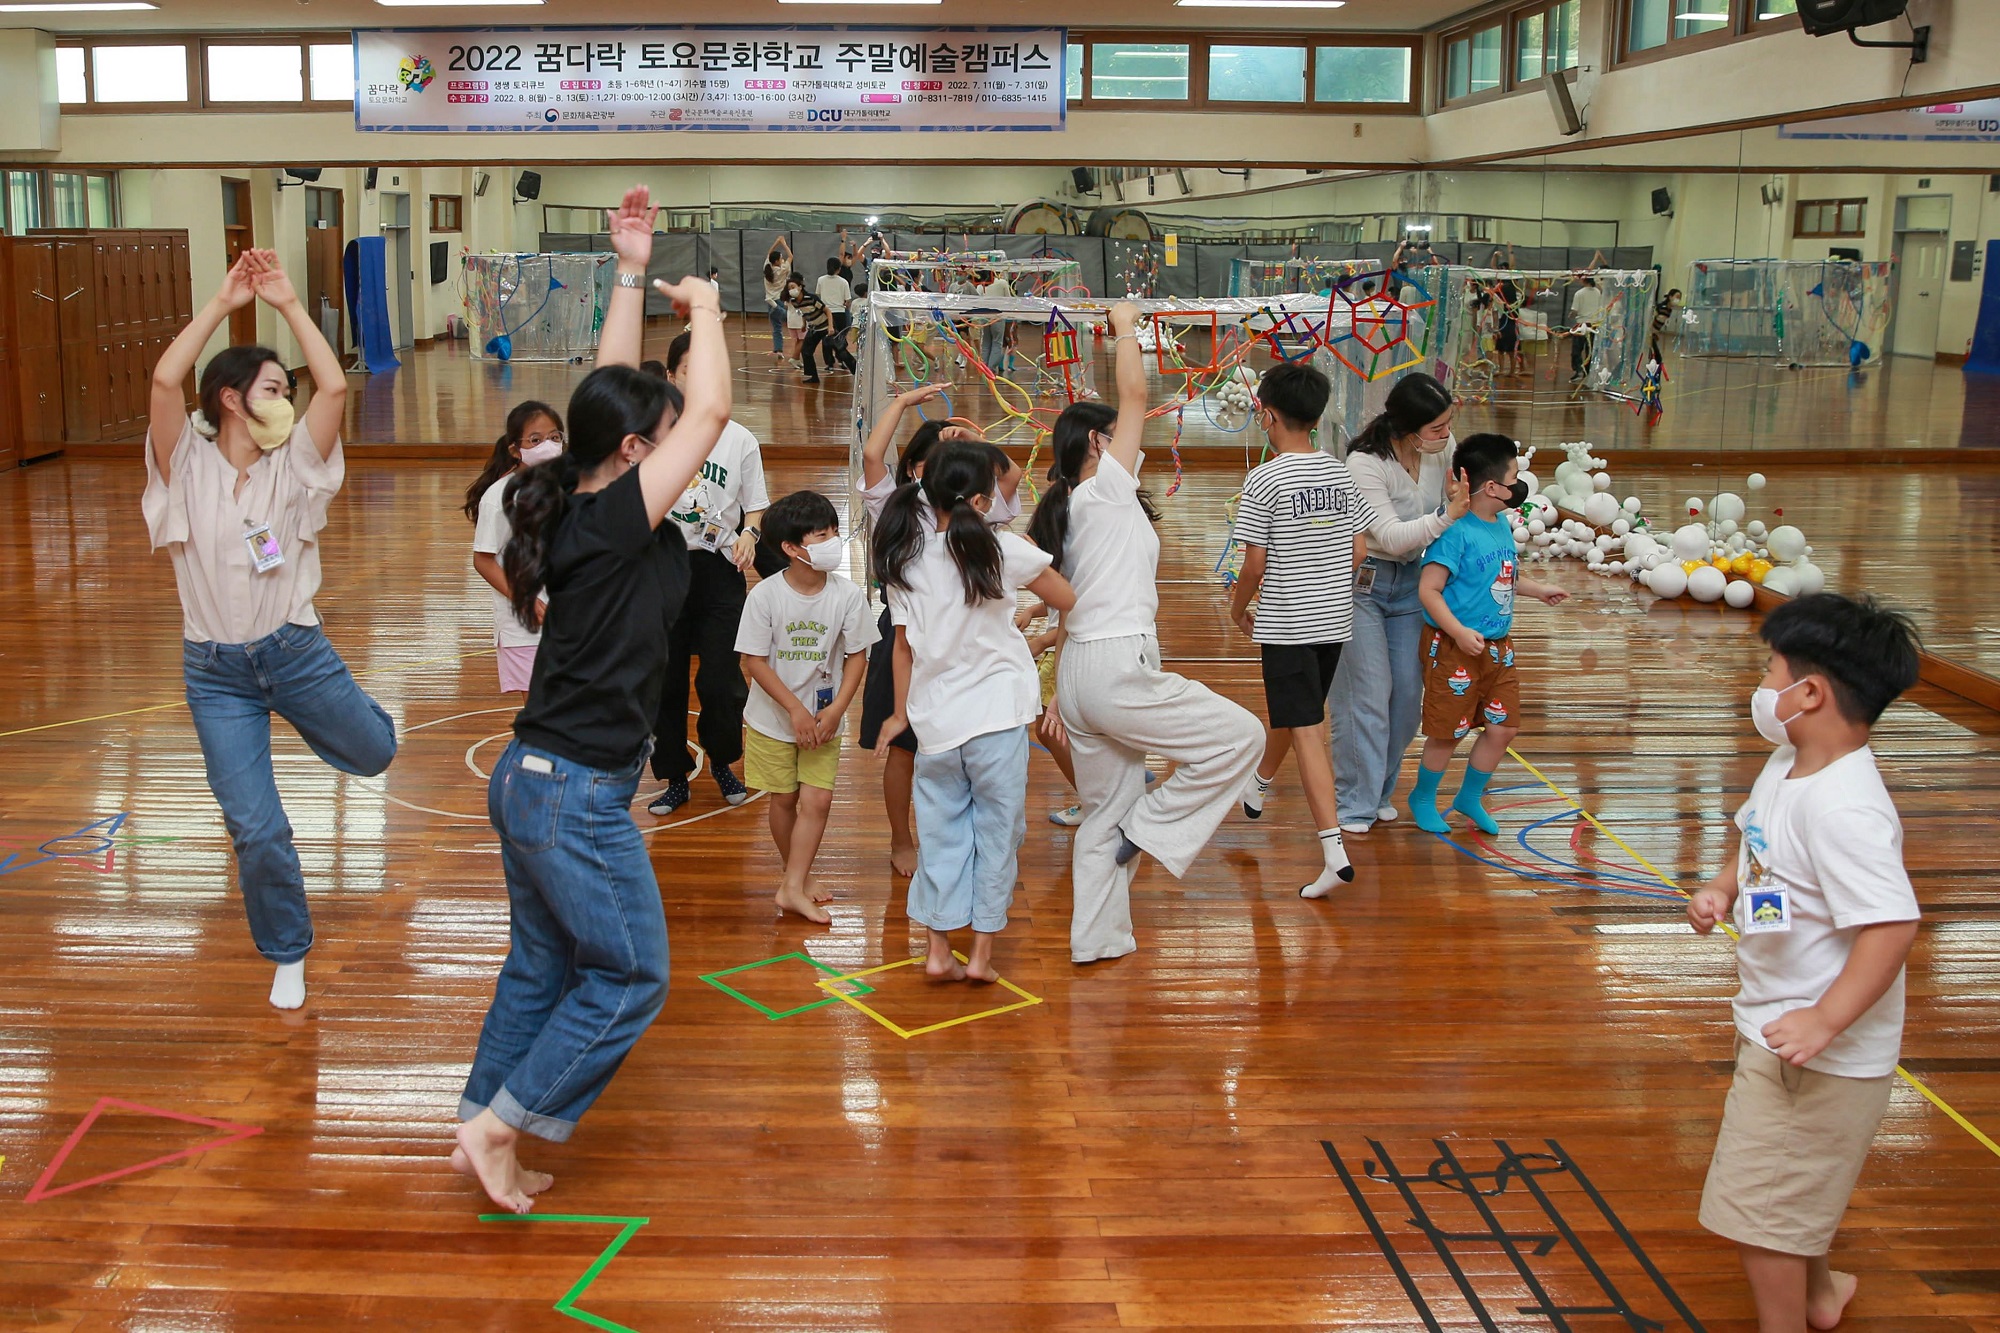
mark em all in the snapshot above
pixel 1364 578
pixel 1767 904
pixel 265 553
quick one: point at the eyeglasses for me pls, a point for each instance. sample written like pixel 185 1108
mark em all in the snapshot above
pixel 536 437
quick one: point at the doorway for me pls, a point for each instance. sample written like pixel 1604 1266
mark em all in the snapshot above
pixel 396 244
pixel 326 240
pixel 1919 293
pixel 236 239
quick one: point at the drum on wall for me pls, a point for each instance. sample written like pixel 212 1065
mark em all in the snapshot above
pixel 1124 224
pixel 1040 217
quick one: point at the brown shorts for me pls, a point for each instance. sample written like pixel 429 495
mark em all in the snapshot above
pixel 1462 692
pixel 1791 1147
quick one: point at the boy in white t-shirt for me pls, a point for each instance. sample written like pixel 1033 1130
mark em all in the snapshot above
pixel 1825 917
pixel 804 637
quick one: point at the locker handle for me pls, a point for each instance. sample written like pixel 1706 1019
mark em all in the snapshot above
pixel 78 292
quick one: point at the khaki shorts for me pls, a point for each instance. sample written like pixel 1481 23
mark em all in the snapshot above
pixel 778 767
pixel 1791 1147
pixel 1462 691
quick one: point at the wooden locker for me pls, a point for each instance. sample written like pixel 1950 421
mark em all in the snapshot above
pixel 33 318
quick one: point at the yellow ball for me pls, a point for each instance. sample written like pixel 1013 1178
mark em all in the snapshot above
pixel 1758 569
pixel 1741 564
pixel 1721 562
pixel 1690 566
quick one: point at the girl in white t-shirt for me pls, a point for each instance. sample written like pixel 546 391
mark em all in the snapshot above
pixel 534 435
pixel 965 681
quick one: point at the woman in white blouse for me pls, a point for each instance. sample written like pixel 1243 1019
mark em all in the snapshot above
pixel 1401 462
pixel 238 492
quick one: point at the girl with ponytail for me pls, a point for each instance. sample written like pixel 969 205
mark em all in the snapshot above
pixel 586 972
pixel 965 682
pixel 1113 698
pixel 1400 463
pixel 534 435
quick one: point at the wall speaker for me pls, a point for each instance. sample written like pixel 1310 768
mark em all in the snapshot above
pixel 303 173
pixel 1823 18
pixel 529 186
pixel 369 184
pixel 479 180
pixel 1083 178
pixel 1663 203
pixel 1564 106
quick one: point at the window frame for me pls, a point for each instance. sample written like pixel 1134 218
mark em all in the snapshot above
pixel 1743 23
pixel 437 228
pixel 1516 19
pixel 1199 44
pixel 197 45
pixel 1465 32
pixel 1839 206
pixel 45 197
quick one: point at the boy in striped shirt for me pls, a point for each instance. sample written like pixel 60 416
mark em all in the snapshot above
pixel 1303 526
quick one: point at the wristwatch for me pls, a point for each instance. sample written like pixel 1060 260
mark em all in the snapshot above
pixel 754 530
pixel 631 280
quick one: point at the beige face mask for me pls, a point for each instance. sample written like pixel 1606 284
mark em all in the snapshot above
pixel 272 425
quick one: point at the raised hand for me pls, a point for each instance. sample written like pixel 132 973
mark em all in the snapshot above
pixel 631 227
pixel 272 283
pixel 1457 496
pixel 1124 317
pixel 923 393
pixel 689 294
pixel 239 286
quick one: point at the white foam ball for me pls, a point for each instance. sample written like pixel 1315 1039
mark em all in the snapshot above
pixel 1653 559
pixel 1707 584
pixel 1631 505
pixel 1557 498
pixel 1534 482
pixel 1544 538
pixel 1600 507
pixel 1740 593
pixel 1756 481
pixel 1691 541
pixel 1621 526
pixel 1595 558
pixel 1755 528
pixel 1536 527
pixel 1668 580
pixel 1811 578
pixel 1787 543
pixel 1728 507
pixel 1571 477
pixel 1694 506
pixel 1520 536
pixel 1639 545
pixel 1601 481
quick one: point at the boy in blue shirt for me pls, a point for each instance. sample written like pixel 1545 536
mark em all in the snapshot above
pixel 1467 588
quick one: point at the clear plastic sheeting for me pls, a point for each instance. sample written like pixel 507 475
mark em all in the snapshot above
pixel 1472 303
pixel 1793 312
pixel 960 271
pixel 1282 277
pixel 535 307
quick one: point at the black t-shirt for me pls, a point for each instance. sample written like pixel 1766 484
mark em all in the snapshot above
pixel 615 585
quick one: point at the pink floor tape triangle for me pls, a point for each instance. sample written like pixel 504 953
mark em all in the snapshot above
pixel 237 1133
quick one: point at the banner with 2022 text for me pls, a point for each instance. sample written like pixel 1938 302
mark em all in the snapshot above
pixel 438 80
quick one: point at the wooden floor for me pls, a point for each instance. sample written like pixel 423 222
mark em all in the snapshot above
pixel 1159 1143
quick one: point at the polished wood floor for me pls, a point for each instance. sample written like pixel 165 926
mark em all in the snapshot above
pixel 1152 1146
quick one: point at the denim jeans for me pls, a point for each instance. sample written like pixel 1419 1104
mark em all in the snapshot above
pixel 971 814
pixel 776 310
pixel 586 969
pixel 232 690
pixel 993 346
pixel 1377 698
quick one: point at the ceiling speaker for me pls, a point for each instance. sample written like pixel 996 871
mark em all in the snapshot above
pixel 479 180
pixel 1083 178
pixel 1823 18
pixel 529 185
pixel 1564 106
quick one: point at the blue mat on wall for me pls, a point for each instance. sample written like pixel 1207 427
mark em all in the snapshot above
pixel 1985 355
pixel 366 268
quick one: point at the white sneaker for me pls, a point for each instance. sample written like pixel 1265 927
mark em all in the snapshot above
pixel 1355 826
pixel 1068 817
pixel 1386 813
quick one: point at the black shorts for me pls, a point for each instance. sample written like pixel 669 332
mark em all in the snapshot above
pixel 878 692
pixel 1296 679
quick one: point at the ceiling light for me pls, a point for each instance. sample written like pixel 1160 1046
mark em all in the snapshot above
pixel 92 7
pixel 1260 4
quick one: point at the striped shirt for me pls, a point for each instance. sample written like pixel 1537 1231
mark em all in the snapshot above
pixel 1305 511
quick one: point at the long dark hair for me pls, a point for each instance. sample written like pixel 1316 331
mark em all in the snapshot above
pixel 955 474
pixel 233 368
pixel 503 460
pixel 1049 528
pixel 1415 402
pixel 922 440
pixel 771 262
pixel 611 403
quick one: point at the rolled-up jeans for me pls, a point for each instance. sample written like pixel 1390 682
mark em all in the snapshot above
pixel 776 310
pixel 1377 698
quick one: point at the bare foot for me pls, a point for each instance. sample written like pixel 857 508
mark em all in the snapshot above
pixel 903 859
pixel 820 895
pixel 532 1182
pixel 488 1145
pixel 796 902
pixel 945 969
pixel 1828 1315
pixel 982 971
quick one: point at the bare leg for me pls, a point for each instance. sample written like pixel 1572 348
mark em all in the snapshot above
pixel 1487 751
pixel 1778 1284
pixel 811 805
pixel 939 965
pixel 1277 744
pixel 1827 1293
pixel 487 1143
pixel 1058 748
pixel 899 775
pixel 980 967
pixel 784 816
pixel 1316 768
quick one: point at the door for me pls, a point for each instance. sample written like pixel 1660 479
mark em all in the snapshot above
pixel 396 258
pixel 37 346
pixel 326 239
pixel 1919 293
pixel 76 315
pixel 235 240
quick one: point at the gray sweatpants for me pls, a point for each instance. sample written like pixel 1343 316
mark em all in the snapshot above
pixel 1118 706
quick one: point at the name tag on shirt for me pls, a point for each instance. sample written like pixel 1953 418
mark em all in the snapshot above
pixel 1767 910
pixel 265 554
pixel 1364 581
pixel 713 536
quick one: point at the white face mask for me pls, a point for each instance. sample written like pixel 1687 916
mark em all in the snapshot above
pixel 1764 712
pixel 534 454
pixel 827 556
pixel 272 425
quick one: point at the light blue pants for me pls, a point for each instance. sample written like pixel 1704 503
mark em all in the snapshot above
pixel 972 813
pixel 1377 698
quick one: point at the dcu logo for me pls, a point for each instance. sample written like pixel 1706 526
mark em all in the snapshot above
pixel 416 73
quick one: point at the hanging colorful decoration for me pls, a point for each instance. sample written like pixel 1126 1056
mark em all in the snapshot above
pixel 1167 351
pixel 1380 338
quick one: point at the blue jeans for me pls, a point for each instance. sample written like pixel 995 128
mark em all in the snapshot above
pixel 586 969
pixel 971 814
pixel 993 346
pixel 232 690
pixel 1377 698
pixel 776 310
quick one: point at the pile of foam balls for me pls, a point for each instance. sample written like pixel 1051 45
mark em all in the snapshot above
pixel 1233 400
pixel 1719 555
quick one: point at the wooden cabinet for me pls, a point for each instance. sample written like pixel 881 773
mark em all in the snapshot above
pixel 87 315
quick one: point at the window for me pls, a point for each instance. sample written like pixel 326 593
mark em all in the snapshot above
pixel 1545 40
pixel 69 74
pixel 1665 27
pixel 1775 9
pixel 24 201
pixel 332 72
pixel 1073 73
pixel 139 73
pixel 1830 217
pixel 255 74
pixel 1472 63
pixel 1697 18
pixel 445 211
pixel 1138 71
pixel 1256 73
pixel 1361 73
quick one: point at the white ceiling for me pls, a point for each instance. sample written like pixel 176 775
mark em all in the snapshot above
pixel 287 15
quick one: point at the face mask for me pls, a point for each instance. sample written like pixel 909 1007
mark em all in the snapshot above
pixel 276 424
pixel 827 556
pixel 534 454
pixel 1517 495
pixel 1764 712
pixel 1435 446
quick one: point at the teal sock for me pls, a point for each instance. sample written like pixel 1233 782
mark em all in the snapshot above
pixel 1424 801
pixel 1470 803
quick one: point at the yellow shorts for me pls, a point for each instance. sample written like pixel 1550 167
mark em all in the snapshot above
pixel 776 766
pixel 1045 667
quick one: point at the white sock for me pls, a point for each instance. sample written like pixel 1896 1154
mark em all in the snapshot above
pixel 1255 794
pixel 288 987
pixel 1338 869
